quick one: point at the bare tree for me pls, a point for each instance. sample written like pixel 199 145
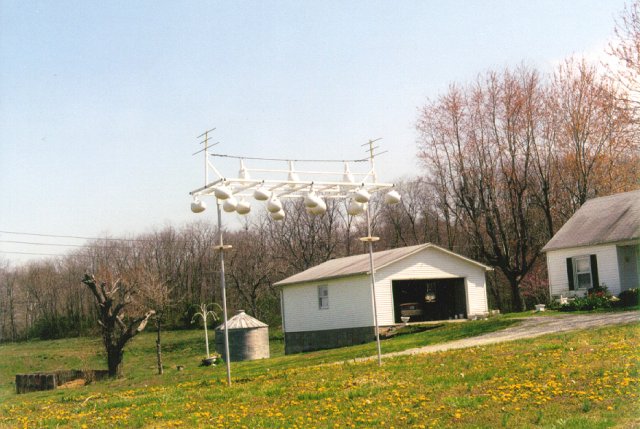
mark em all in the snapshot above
pixel 414 220
pixel 156 295
pixel 596 152
pixel 477 143
pixel 626 48
pixel 8 304
pixel 252 270
pixel 198 282
pixel 304 240
pixel 511 157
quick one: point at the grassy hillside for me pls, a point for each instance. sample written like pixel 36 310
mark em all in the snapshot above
pixel 585 379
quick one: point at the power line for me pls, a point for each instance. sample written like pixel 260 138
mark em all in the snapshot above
pixel 96 244
pixel 42 244
pixel 87 246
pixel 33 254
pixel 76 237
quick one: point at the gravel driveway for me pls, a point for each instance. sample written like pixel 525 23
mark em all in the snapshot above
pixel 531 327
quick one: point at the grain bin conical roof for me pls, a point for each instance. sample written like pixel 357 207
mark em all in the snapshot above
pixel 242 321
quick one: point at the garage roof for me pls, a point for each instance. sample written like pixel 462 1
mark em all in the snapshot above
pixel 600 220
pixel 359 264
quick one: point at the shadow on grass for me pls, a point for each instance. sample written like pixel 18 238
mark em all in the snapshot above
pixel 409 329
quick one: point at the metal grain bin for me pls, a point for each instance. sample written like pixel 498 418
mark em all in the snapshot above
pixel 248 338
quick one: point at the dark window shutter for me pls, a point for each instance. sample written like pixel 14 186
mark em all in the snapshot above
pixel 570 273
pixel 594 271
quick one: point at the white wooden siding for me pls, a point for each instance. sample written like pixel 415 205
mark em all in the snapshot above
pixel 350 300
pixel 606 256
pixel 430 263
pixel 349 305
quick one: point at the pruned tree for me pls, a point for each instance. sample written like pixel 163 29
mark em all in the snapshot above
pixel 112 298
pixel 206 311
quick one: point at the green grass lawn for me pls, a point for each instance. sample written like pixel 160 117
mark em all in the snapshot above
pixel 573 380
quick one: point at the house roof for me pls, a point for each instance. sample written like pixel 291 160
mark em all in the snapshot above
pixel 359 264
pixel 601 220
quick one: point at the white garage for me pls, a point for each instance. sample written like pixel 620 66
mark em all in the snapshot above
pixel 330 305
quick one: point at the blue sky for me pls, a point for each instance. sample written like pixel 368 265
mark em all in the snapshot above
pixel 100 102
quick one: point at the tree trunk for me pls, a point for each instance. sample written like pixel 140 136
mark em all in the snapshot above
pixel 114 360
pixel 516 299
pixel 159 348
pixel 494 288
pixel 206 336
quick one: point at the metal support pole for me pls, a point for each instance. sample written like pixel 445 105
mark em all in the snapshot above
pixel 294 187
pixel 370 240
pixel 221 247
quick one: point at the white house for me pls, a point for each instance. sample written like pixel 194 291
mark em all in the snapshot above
pixel 330 305
pixel 598 246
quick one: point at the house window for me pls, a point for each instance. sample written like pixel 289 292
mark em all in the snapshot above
pixel 582 272
pixel 323 297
